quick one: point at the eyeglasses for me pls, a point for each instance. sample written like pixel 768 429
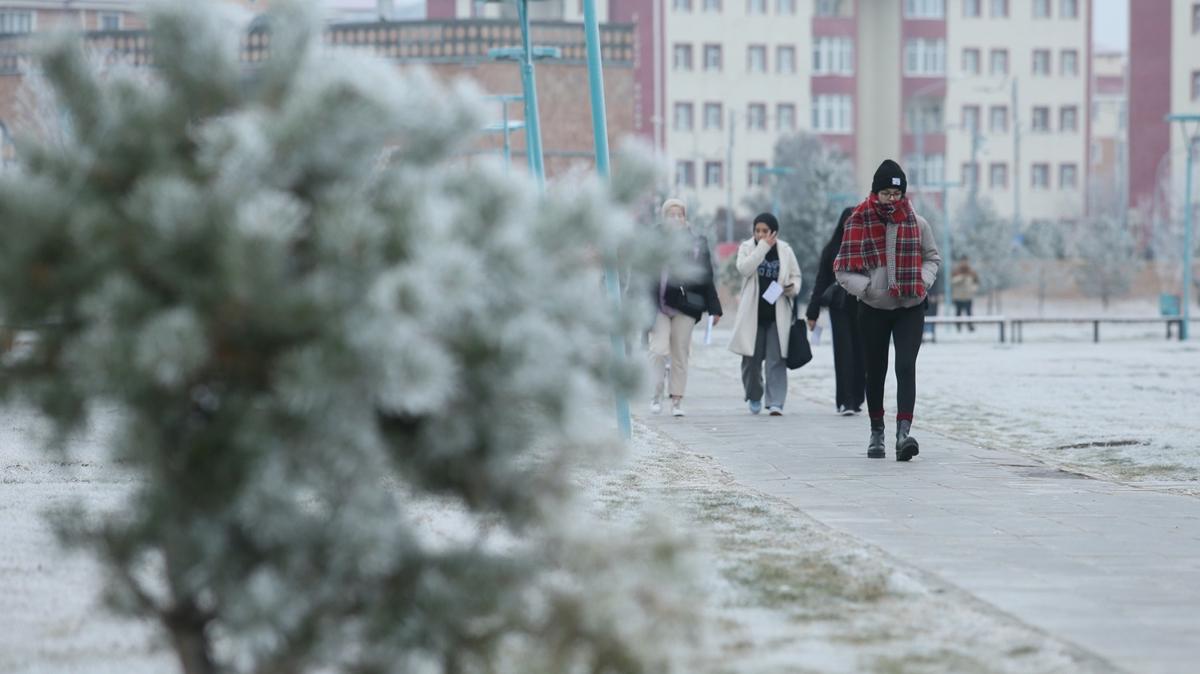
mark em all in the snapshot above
pixel 891 194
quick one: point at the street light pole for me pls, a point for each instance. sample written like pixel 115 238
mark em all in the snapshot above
pixel 1186 294
pixel 600 133
pixel 533 129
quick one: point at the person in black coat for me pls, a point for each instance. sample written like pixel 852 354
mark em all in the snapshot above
pixel 848 366
pixel 680 304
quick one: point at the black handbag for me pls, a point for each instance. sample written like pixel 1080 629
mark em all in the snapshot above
pixel 687 301
pixel 799 350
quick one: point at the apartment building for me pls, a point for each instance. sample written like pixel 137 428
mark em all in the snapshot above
pixel 1164 78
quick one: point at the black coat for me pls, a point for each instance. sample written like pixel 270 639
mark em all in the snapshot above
pixel 705 286
pixel 826 291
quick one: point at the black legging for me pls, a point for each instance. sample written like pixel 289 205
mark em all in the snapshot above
pixel 879 327
pixel 848 356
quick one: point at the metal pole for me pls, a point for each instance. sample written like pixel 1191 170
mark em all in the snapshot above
pixel 946 255
pixel 1187 247
pixel 729 183
pixel 600 133
pixel 507 146
pixel 1016 174
pixel 533 130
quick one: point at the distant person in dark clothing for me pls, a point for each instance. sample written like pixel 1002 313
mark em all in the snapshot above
pixel 843 320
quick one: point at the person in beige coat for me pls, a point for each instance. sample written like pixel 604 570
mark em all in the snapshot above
pixel 763 324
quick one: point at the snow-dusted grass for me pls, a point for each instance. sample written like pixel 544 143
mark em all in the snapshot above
pixel 782 592
pixel 1123 409
pixel 790 595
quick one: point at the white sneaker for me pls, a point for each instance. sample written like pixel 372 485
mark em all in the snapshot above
pixel 677 409
pixel 775 411
pixel 656 406
pixel 845 411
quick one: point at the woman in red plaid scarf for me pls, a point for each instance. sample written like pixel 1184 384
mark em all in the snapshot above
pixel 887 260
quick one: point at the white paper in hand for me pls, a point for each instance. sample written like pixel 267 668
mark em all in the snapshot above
pixel 772 293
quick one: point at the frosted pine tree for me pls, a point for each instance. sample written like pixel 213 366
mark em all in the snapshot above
pixel 1106 252
pixel 810 197
pixel 321 331
pixel 988 240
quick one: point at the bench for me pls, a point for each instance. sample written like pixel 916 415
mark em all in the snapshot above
pixel 964 320
pixel 1018 324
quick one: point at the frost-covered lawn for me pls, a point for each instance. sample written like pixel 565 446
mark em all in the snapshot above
pixel 790 595
pixel 783 593
pixel 1123 409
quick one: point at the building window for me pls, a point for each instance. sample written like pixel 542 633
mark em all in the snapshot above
pixel 712 5
pixel 833 56
pixel 970 117
pixel 999 62
pixel 1068 177
pixel 1041 9
pixel 785 7
pixel 998 121
pixel 1069 63
pixel 110 21
pixel 756 58
pixel 785 115
pixel 685 174
pixel 756 6
pixel 714 116
pixel 1070 9
pixel 970 175
pixel 785 60
pixel 712 57
pixel 682 5
pixel 925 57
pixel 832 8
pixel 926 170
pixel 13 23
pixel 833 114
pixel 998 176
pixel 924 116
pixel 970 61
pixel 712 174
pixel 924 9
pixel 1041 119
pixel 683 116
pixel 1039 177
pixel 1041 62
pixel 999 9
pixel 1068 118
pixel 754 173
pixel 756 117
pixel 971 8
pixel 683 57
pixel 1196 18
pixel 1196 85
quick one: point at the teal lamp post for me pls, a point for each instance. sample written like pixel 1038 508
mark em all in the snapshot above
pixel 1186 295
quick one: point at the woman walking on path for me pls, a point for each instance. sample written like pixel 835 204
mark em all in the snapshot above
pixel 848 365
pixel 680 306
pixel 887 260
pixel 964 283
pixel 770 282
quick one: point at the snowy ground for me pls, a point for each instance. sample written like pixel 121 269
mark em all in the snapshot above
pixel 787 594
pixel 790 595
pixel 1122 409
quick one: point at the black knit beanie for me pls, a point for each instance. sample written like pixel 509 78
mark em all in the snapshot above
pixel 889 175
pixel 768 220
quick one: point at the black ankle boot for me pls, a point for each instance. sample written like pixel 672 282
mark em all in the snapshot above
pixel 906 445
pixel 875 446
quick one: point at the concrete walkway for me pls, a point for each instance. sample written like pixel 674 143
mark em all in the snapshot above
pixel 1110 568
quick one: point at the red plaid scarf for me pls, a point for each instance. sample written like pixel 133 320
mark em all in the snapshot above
pixel 865 241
